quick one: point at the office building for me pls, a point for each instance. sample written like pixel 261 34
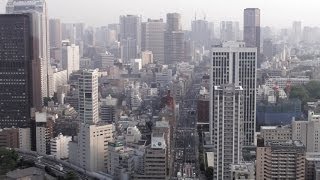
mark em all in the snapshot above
pixel 18 93
pixel 25 139
pixel 312 166
pixel 41 53
pixel 153 38
pixel 280 160
pixel 235 64
pixel 200 33
pixel 55 39
pixel 90 150
pixel 88 96
pixel 251 30
pixel 60 78
pixel 268 48
pixel 44 131
pixel 59 146
pixel 70 57
pixel 296 33
pixel 130 37
pixel 155 159
pixel 128 50
pixel 276 133
pixel 227 128
pixel 108 109
pixel 174 40
pixel 120 160
pixel 308 132
pixel 229 31
pixel 9 138
pixel 147 58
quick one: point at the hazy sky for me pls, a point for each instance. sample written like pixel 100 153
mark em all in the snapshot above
pixel 279 13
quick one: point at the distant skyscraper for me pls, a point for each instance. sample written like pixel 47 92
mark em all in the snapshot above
pixel 153 38
pixel 130 29
pixel 88 96
pixel 17 93
pixel 268 48
pixel 296 32
pixel 70 57
pixel 55 39
pixel 55 33
pixel 251 30
pixel 227 128
pixel 229 31
pixel 174 39
pixel 41 34
pixel 200 33
pixel 233 63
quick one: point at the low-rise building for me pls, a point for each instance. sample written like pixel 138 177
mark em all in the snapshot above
pixel 243 171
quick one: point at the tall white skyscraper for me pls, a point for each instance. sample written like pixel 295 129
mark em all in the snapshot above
pixel 38 9
pixel 70 57
pixel 153 38
pixel 88 96
pixel 227 128
pixel 233 63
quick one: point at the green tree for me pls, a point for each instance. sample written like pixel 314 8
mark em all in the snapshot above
pixel 299 92
pixel 71 176
pixel 8 160
pixel 313 88
pixel 209 173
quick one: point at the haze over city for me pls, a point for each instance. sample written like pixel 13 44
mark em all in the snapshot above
pixel 159 90
pixel 101 12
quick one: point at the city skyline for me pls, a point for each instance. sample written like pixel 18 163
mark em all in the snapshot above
pixel 215 11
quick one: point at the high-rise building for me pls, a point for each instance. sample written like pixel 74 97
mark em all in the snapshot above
pixel 227 128
pixel 268 48
pixel 90 150
pixel 130 29
pixel 280 160
pixel 55 39
pixel 174 40
pixel 17 91
pixel 40 26
pixel 229 31
pixel 108 109
pixel 308 132
pixel 296 33
pixel 251 30
pixel 153 38
pixel 233 63
pixel 44 132
pixel 88 96
pixel 200 33
pixel 70 57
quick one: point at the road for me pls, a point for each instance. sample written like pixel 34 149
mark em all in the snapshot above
pixel 55 164
pixel 186 164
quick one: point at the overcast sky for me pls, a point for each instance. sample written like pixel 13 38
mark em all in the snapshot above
pixel 278 13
